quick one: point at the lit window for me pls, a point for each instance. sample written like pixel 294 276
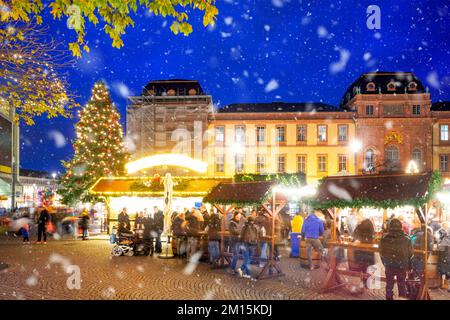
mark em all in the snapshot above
pixel 301 163
pixel 443 162
pixel 417 157
pixel 281 168
pixel 416 110
pixel 370 159
pixel 260 163
pixel 220 163
pixel 301 133
pixel 322 133
pixel 260 134
pixel 281 134
pixel 444 132
pixel 392 156
pixel 342 163
pixel 342 133
pixel 240 134
pixel 239 163
pixel 220 135
pixel 370 86
pixel 322 163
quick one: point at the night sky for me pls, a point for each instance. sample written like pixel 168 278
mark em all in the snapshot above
pixel 258 51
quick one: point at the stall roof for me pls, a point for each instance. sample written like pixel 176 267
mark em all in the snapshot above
pixel 242 193
pixel 381 191
pixel 135 186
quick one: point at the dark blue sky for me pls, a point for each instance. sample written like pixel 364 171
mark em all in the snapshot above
pixel 259 51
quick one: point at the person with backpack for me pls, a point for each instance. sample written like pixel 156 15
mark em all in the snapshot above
pixel 249 240
pixel 213 228
pixel 396 251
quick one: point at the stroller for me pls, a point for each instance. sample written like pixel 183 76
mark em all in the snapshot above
pixel 130 244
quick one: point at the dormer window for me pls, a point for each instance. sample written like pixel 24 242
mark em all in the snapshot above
pixel 171 92
pixel 192 92
pixel 412 86
pixel 391 86
pixel 370 86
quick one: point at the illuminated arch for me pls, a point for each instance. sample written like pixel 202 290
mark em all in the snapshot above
pixel 167 159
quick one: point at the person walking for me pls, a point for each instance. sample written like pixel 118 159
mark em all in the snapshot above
pixel 43 219
pixel 158 218
pixel 26 232
pixel 396 251
pixel 249 240
pixel 312 229
pixel 148 235
pixel 234 240
pixel 84 223
pixel 213 228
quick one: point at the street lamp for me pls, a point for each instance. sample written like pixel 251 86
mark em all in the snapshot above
pixel 356 145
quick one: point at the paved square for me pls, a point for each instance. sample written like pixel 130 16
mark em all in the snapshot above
pixel 37 272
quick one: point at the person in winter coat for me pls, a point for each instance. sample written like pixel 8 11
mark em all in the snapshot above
pixel 194 226
pixel 43 219
pixel 149 233
pixel 312 229
pixel 26 232
pixel 213 228
pixel 297 223
pixel 84 223
pixel 205 214
pixel 418 241
pixel 179 231
pixel 249 240
pixel 139 221
pixel 234 240
pixel 261 221
pixel 364 233
pixel 444 255
pixel 158 218
pixel 124 218
pixel 396 251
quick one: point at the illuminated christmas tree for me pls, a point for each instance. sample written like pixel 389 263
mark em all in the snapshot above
pixel 99 148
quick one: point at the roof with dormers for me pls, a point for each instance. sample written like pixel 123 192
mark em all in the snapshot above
pixel 380 82
pixel 279 107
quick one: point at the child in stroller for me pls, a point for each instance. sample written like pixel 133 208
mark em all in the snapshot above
pixel 129 243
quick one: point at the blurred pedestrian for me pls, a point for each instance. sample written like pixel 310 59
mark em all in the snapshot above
pixel 43 220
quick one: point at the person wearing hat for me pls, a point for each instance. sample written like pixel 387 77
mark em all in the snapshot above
pixel 396 251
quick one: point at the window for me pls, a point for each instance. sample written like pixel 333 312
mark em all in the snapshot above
pixel 444 132
pixel 342 163
pixel 416 110
pixel 392 158
pixel 322 163
pixel 239 135
pixel 370 86
pixel 260 134
pixel 322 133
pixel 260 163
pixel 370 160
pixel 412 86
pixel 417 157
pixel 301 133
pixel 342 130
pixel 301 163
pixel 220 135
pixel 393 110
pixel 281 133
pixel 281 164
pixel 369 110
pixel 443 162
pixel 220 163
pixel 239 163
pixel 391 86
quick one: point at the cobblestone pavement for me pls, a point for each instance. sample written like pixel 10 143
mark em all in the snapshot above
pixel 37 272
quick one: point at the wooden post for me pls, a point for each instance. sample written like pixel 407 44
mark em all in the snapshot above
pixel 423 291
pixel 224 211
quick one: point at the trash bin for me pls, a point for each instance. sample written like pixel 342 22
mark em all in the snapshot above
pixel 295 244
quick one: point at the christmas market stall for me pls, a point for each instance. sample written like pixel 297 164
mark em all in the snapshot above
pixel 140 193
pixel 227 196
pixel 374 197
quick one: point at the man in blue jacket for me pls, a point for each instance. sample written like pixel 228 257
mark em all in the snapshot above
pixel 312 229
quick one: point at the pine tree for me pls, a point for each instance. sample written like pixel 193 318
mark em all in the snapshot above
pixel 99 148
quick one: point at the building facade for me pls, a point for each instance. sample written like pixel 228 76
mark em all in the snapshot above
pixel 385 122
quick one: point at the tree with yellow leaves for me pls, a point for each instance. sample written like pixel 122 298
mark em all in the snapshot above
pixel 30 81
pixel 114 15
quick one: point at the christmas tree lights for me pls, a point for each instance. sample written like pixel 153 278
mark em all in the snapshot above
pixel 99 147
